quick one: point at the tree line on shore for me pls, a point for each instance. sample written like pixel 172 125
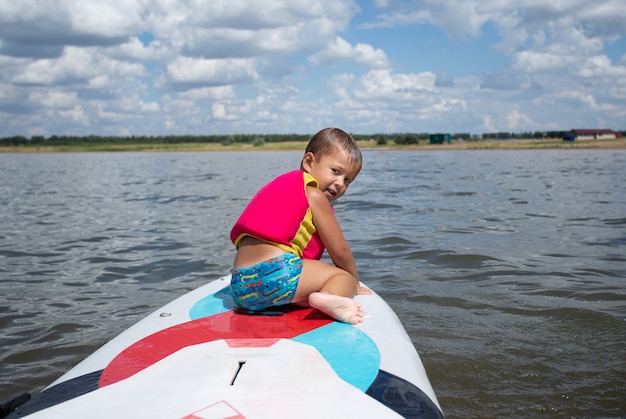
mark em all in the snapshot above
pixel 258 139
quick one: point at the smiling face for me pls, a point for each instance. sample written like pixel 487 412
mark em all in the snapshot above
pixel 334 171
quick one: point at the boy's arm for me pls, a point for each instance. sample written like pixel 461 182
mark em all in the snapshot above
pixel 330 232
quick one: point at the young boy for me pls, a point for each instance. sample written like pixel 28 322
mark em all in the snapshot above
pixel 285 228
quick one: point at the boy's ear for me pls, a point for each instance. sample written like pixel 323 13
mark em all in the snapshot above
pixel 307 161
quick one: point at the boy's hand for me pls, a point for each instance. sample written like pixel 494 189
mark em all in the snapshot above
pixel 364 291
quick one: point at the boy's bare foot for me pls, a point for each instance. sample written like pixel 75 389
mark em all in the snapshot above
pixel 341 308
pixel 364 291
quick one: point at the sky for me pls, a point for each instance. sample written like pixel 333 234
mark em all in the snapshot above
pixel 198 67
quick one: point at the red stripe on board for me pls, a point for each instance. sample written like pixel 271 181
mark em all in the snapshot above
pixel 228 325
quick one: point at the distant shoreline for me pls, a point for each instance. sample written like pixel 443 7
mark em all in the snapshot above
pixel 530 144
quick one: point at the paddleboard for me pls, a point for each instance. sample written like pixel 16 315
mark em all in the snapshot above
pixel 198 357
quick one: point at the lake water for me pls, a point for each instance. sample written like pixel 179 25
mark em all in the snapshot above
pixel 507 268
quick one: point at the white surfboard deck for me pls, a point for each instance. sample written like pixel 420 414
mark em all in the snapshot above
pixel 197 358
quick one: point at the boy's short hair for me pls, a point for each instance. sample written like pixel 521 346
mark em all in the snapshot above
pixel 325 141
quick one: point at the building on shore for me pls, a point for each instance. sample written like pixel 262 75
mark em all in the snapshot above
pixel 439 138
pixel 590 134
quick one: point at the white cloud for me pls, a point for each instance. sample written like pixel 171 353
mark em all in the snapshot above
pixel 209 93
pixel 106 19
pixel 40 29
pixel 517 121
pixel 444 79
pixel 383 100
pixel 219 112
pixel 190 70
pixel 55 99
pixel 76 114
pixel 601 66
pixel 361 54
pixel 456 17
pixel 488 124
pixel 243 29
pixel 532 61
pixel 134 49
pixel 384 84
pixel 76 65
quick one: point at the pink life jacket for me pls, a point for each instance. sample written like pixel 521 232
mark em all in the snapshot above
pixel 280 214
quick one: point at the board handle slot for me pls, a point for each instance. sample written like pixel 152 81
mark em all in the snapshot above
pixel 241 364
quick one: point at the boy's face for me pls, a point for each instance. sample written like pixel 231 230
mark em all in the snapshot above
pixel 334 172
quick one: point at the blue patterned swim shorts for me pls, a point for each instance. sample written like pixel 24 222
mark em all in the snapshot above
pixel 272 282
